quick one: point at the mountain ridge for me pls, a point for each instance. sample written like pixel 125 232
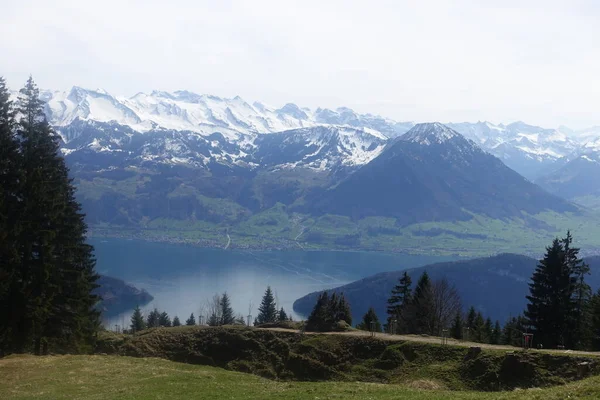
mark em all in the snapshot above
pixel 530 150
pixel 433 173
pixel 480 283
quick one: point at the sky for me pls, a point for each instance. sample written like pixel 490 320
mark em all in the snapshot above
pixel 426 60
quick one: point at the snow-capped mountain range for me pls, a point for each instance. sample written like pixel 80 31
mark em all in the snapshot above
pixel 204 114
pixel 334 137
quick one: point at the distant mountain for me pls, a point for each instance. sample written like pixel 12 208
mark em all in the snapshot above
pixel 529 150
pixel 433 173
pixel 320 148
pixel 496 286
pixel 578 175
pixel 107 144
pixel 118 296
pixel 205 114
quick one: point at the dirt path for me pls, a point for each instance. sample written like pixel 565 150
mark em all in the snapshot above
pixel 437 340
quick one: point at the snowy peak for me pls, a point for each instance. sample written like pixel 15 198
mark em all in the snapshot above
pixel 431 133
pixel 592 146
pixel 62 108
pixel 183 110
pixel 318 148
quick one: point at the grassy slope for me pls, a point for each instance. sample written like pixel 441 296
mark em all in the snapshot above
pixel 275 228
pixel 104 377
pixel 590 201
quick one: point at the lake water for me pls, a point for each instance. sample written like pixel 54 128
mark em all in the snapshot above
pixel 181 277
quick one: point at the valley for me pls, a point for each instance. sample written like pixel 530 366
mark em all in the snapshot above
pixel 276 229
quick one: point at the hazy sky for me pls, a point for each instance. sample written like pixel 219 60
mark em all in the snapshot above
pixel 421 60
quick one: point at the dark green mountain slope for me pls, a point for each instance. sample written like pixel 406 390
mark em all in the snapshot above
pixel 495 285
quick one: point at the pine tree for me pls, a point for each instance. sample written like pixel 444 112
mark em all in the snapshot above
pixel 153 319
pixel 227 317
pixel 551 307
pixel 53 301
pixel 343 312
pixel 368 318
pixel 399 300
pixel 320 319
pixel 9 212
pixel 421 320
pixel 479 330
pixel 333 308
pixel 282 315
pixel 488 331
pixel 595 321
pixel 471 316
pixel 580 333
pixel 512 333
pixel 191 320
pixel 164 320
pixel 176 321
pixel 456 330
pixel 496 334
pixel 137 320
pixel 267 311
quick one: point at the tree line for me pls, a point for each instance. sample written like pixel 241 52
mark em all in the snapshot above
pixel 561 311
pixel 46 267
pixel 217 311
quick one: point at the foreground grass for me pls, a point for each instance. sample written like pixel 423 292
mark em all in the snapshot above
pixel 113 377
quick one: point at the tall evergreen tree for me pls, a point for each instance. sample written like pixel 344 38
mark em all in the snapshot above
pixel 267 311
pixel 421 319
pixel 153 319
pixel 320 317
pixel 52 302
pixel 496 336
pixel 471 316
pixel 551 308
pixel 456 330
pixel 282 316
pixel 488 331
pixel 137 320
pixel 227 317
pixel 164 320
pixel 400 298
pixel 369 318
pixel 9 212
pixel 479 330
pixel 191 320
pixel 595 321
pixel 176 321
pixel 579 327
pixel 343 312
pixel 512 333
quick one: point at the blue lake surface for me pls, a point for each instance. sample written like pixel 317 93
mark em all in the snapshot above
pixel 182 278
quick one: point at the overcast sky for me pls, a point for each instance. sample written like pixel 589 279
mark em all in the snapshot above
pixel 425 60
